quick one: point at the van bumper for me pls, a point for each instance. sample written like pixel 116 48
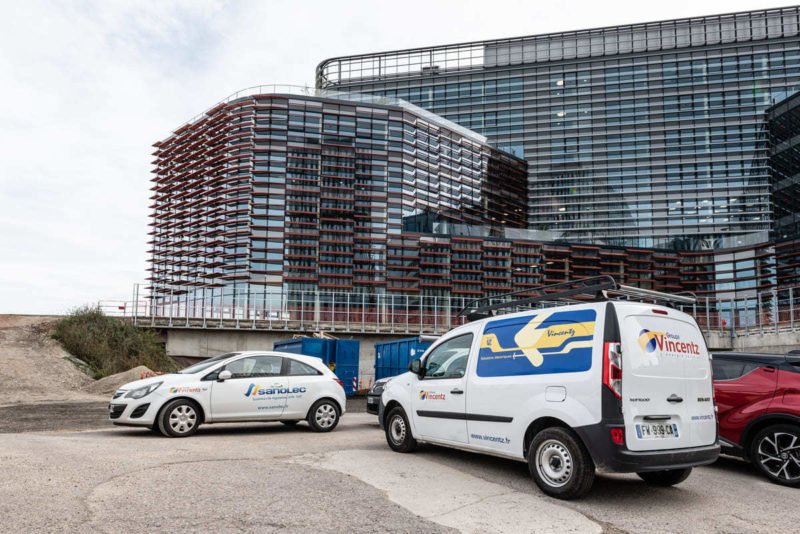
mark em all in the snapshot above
pixel 608 456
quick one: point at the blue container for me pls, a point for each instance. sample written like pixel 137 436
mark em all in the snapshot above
pixel 392 357
pixel 340 355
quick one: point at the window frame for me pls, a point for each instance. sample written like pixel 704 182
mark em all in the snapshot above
pixel 434 349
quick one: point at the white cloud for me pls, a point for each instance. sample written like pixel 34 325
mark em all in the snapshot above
pixel 87 87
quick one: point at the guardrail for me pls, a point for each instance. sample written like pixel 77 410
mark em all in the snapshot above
pixel 771 311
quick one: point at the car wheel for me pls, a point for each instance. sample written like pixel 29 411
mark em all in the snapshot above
pixel 179 418
pixel 323 416
pixel 775 451
pixel 290 423
pixel 560 464
pixel 668 477
pixel 398 431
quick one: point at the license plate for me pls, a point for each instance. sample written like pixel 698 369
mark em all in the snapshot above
pixel 372 401
pixel 656 430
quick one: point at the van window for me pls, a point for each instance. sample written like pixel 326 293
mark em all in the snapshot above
pixel 548 342
pixel 449 360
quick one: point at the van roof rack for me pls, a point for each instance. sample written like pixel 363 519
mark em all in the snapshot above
pixel 597 288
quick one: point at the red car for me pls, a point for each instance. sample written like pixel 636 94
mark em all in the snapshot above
pixel 758 398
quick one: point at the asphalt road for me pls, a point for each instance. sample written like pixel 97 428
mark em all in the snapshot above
pixel 270 478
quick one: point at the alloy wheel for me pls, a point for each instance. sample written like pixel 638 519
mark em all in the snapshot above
pixel 779 454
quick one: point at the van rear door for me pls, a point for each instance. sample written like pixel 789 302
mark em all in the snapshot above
pixel 667 398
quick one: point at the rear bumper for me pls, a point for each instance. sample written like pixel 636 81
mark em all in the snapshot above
pixel 609 456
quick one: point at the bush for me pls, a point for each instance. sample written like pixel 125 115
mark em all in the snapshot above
pixel 111 345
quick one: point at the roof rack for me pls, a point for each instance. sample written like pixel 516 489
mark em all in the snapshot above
pixel 597 288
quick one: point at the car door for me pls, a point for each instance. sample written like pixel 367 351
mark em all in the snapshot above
pixel 743 390
pixel 438 399
pixel 256 390
pixel 305 387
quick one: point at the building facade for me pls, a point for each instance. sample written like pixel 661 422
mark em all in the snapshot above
pixel 783 126
pixel 302 190
pixel 648 135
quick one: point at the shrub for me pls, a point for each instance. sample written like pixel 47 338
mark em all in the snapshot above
pixel 111 345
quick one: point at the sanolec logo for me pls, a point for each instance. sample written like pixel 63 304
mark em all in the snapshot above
pixel 256 390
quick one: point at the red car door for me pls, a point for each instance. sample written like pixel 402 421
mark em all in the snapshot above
pixel 743 391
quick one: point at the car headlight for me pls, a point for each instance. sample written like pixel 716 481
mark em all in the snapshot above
pixel 138 393
pixel 378 387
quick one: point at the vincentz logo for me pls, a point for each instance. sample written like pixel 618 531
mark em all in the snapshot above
pixel 430 395
pixel 666 342
pixel 255 390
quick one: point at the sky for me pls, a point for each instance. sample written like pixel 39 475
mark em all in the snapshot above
pixel 87 87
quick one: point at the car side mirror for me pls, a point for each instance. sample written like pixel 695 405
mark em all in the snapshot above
pixel 415 366
pixel 224 375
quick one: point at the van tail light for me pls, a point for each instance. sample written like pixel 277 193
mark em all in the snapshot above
pixel 612 367
pixel 618 435
pixel 338 382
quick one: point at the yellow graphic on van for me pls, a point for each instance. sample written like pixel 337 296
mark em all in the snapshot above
pixel 538 339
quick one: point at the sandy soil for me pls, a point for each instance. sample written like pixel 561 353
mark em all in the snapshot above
pixel 32 364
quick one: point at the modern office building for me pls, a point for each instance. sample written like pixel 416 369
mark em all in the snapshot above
pixel 783 126
pixel 647 135
pixel 301 189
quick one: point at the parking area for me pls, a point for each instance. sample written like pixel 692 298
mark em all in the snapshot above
pixel 268 477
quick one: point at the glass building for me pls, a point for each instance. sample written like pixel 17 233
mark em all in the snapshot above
pixel 783 126
pixel 303 189
pixel 648 135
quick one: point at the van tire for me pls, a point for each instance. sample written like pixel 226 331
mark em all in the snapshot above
pixel 560 464
pixel 398 431
pixel 668 477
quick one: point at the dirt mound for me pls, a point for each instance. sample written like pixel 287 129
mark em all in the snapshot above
pixel 34 368
pixel 110 384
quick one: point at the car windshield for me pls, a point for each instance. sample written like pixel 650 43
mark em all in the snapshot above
pixel 205 364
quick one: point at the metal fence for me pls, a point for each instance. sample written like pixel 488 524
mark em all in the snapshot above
pixel 269 309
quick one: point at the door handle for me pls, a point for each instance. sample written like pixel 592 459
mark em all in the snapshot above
pixel 457 391
pixel 656 417
pixel 674 398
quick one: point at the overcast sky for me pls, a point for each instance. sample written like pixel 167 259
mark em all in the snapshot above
pixel 87 87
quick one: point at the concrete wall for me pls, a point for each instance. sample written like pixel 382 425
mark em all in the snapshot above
pixel 204 343
pixel 772 342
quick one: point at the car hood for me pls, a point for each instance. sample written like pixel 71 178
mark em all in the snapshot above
pixel 168 380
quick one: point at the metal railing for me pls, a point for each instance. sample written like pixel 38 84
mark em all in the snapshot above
pixel 273 309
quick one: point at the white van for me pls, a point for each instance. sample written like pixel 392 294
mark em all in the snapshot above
pixel 611 384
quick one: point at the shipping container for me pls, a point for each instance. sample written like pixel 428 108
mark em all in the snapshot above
pixel 340 355
pixel 392 357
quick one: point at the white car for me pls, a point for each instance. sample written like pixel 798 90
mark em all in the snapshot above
pixel 240 386
pixel 616 385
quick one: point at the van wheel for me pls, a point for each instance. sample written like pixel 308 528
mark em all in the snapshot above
pixel 775 451
pixel 668 477
pixel 179 419
pixel 398 431
pixel 323 416
pixel 560 464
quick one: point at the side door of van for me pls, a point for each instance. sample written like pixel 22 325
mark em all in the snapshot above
pixel 526 366
pixel 438 399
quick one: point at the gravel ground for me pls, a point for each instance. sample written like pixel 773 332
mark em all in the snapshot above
pixel 268 477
